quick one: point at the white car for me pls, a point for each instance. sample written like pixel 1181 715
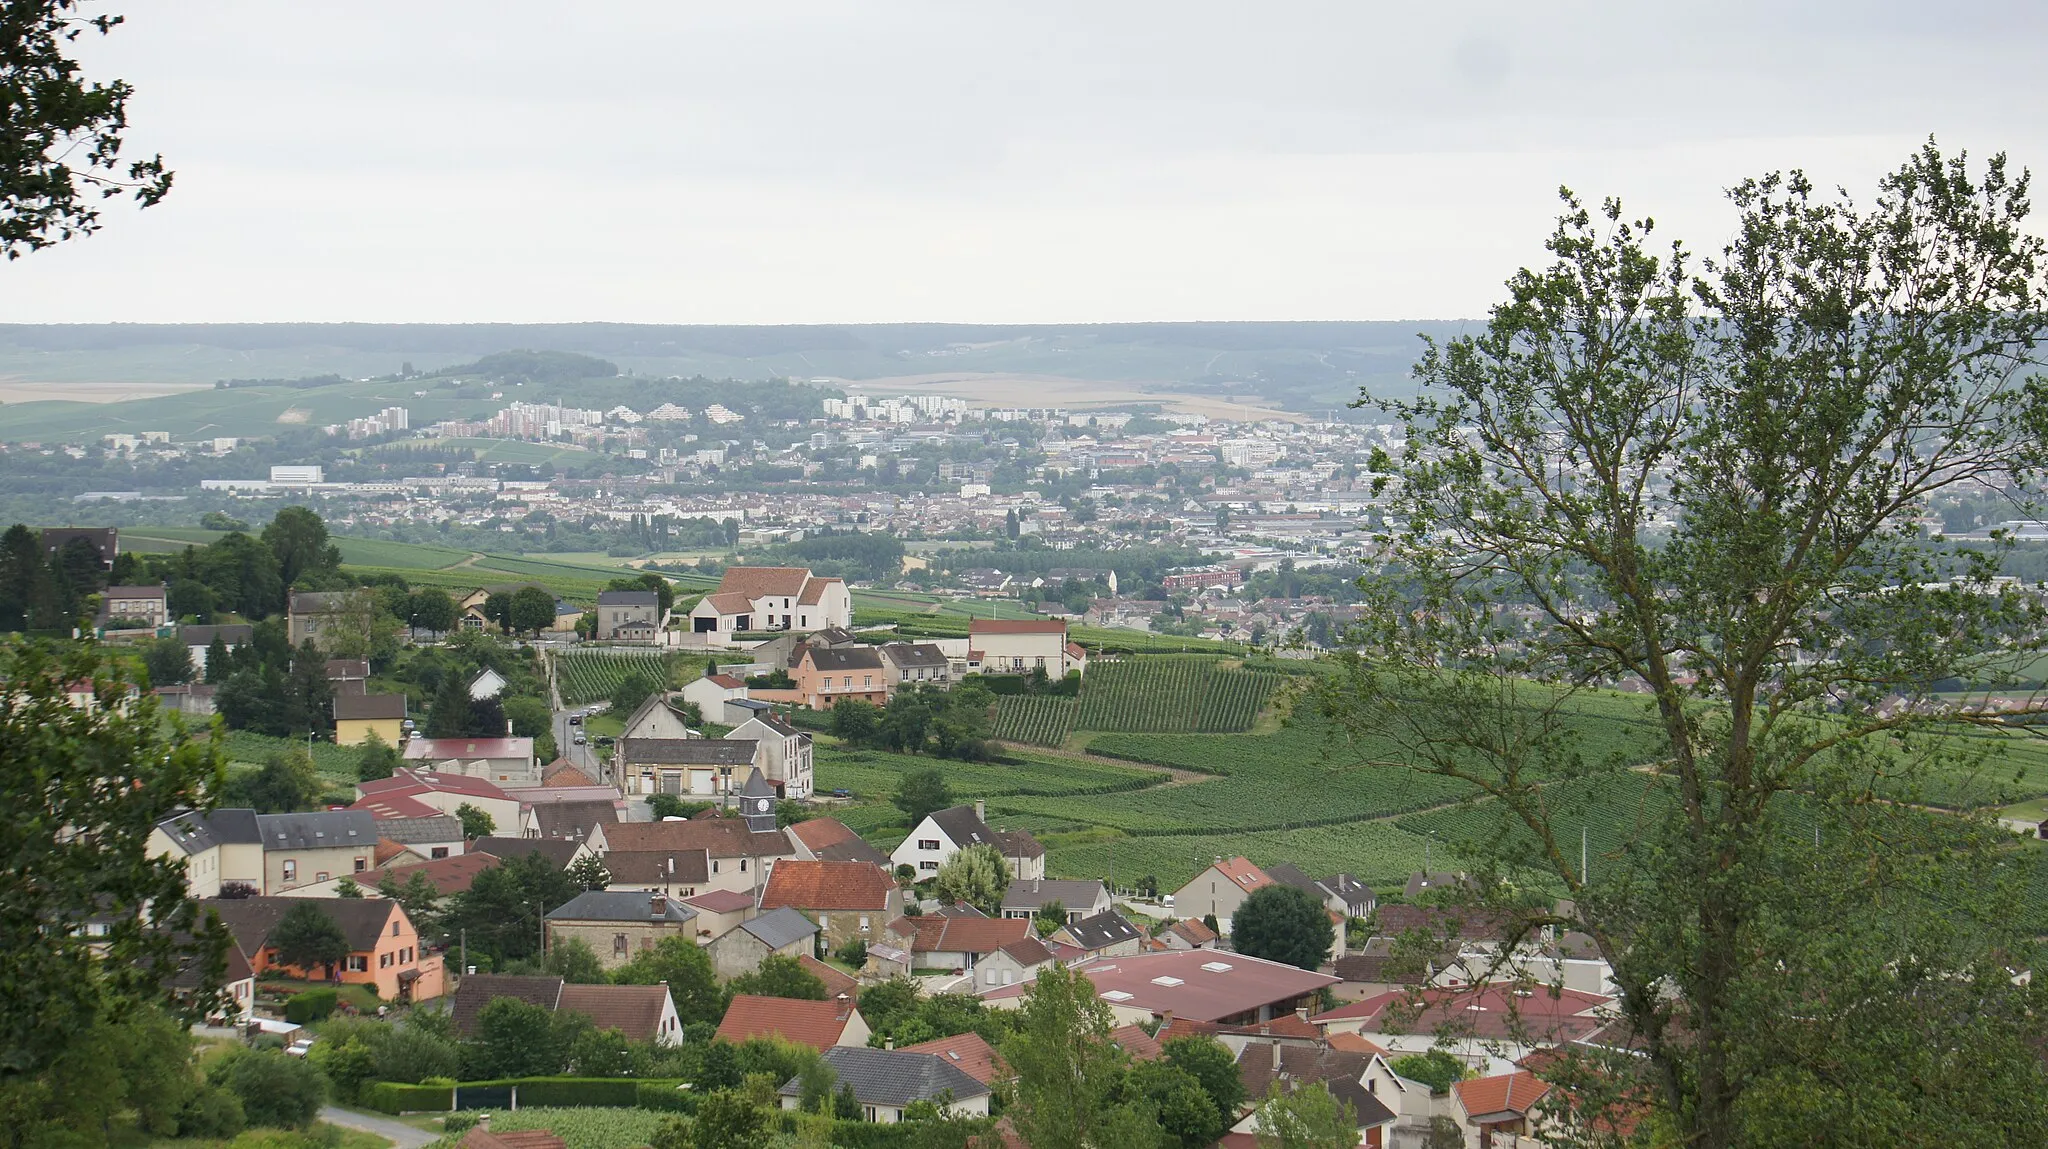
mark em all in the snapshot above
pixel 300 1047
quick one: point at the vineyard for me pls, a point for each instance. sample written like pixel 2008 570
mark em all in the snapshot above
pixel 1035 720
pixel 586 676
pixel 581 1127
pixel 1171 694
pixel 876 774
pixel 1377 853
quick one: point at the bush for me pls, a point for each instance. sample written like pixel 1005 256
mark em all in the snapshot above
pixel 664 1096
pixel 213 1114
pixel 456 1124
pixel 311 1006
pixel 1436 1069
pixel 392 1097
pixel 857 1134
pixel 276 1089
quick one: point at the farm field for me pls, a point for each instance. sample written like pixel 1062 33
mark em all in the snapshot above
pixel 1378 853
pixel 586 676
pixel 875 774
pixel 1167 694
pixel 1034 720
pixel 582 1127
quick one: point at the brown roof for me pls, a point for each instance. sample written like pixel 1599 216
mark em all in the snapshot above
pixel 349 707
pixel 720 901
pixel 720 837
pixel 1136 1042
pixel 731 603
pixel 814 591
pixel 1509 1094
pixel 1257 1067
pixel 557 850
pixel 935 934
pixel 657 867
pixel 574 820
pixel 1443 922
pixel 836 982
pixel 1241 871
pixel 968 1053
pixel 1019 844
pixel 1015 626
pixel 634 1010
pixel 827 886
pixel 834 841
pixel 817 1024
pixel 250 920
pixel 450 875
pixel 760 582
pixel 1497 1011
pixel 481 989
pixel 1347 1042
pixel 561 773
pixel 1028 951
pixel 1198 985
pixel 1193 931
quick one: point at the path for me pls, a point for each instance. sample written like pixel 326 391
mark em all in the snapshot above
pixel 397 1132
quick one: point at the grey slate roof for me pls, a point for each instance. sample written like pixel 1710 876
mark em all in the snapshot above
pixel 1357 897
pixel 1033 893
pixel 628 598
pixel 197 832
pixel 368 706
pixel 560 851
pixel 964 828
pixel 406 831
pixel 780 927
pixel 480 989
pixel 894 1077
pixel 1104 929
pixel 320 830
pixel 572 820
pixel 836 659
pixel 915 654
pixel 620 906
pixel 686 752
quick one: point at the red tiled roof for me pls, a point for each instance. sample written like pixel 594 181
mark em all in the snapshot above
pixel 1193 931
pixel 1498 1011
pixel 1015 626
pixel 1201 985
pixel 563 774
pixel 1501 1096
pixel 1355 1043
pixel 720 901
pixel 836 982
pixel 450 875
pixel 1076 650
pixel 1241 871
pixel 935 934
pixel 725 681
pixel 414 780
pixel 396 806
pixel 760 582
pixel 1286 1025
pixel 817 1024
pixel 814 591
pixel 1136 1042
pixel 730 603
pixel 827 886
pixel 968 1053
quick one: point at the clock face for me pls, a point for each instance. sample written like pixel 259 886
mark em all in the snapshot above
pixel 762 805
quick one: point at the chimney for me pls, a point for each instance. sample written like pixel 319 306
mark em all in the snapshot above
pixel 845 1010
pixel 483 1121
pixel 1165 1021
pixel 1276 1059
pixel 671 864
pixel 980 811
pixel 1301 1012
pixel 658 905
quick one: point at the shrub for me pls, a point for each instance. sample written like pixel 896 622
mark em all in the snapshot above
pixel 275 1089
pixel 392 1097
pixel 1436 1069
pixel 311 1006
pixel 212 1114
pixel 665 1096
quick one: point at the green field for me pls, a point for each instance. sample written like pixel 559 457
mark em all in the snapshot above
pixel 1034 720
pixel 876 774
pixel 1171 694
pixel 1377 853
pixel 586 676
pixel 583 1127
pixel 335 763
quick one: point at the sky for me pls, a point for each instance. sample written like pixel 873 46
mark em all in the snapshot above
pixel 1042 162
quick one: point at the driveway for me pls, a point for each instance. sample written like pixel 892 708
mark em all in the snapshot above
pixel 397 1132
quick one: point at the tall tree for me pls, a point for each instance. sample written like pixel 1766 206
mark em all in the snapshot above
pixel 1307 1118
pixel 21 575
pixel 532 610
pixel 1283 924
pixel 85 786
pixel 922 792
pixel 169 662
pixel 1706 484
pixel 218 665
pixel 378 759
pixel 308 937
pixel 433 609
pixel 976 875
pixel 448 714
pixel 1069 1074
pixel 299 541
pixel 61 135
pixel 684 967
pixel 504 906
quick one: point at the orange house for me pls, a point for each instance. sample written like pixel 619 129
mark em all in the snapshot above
pixel 384 949
pixel 825 675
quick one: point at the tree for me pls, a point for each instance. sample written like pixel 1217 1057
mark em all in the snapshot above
pixel 1308 1118
pixel 528 716
pixel 419 898
pixel 498 609
pixel 1211 1064
pixel 1704 483
pixel 976 875
pixel 347 888
pixel 298 540
pixel 218 661
pixel 532 610
pixel 1283 924
pixel 22 575
pixel 630 693
pixel 377 759
pixel 63 134
pixel 684 966
pixel 308 937
pixel 431 608
pixel 276 1090
pixel 475 823
pixel 503 907
pixel 572 960
pixel 515 1038
pixel 921 793
pixel 1049 918
pixel 448 714
pixel 168 661
pixel 728 1120
pixel 855 722
pixel 285 783
pixel 780 977
pixel 588 872
pixel 1177 1103
pixel 1068 1072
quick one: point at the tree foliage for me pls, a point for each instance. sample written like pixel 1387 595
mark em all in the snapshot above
pixel 1704 481
pixel 1307 1118
pixel 308 937
pixel 780 976
pixel 684 966
pixel 921 793
pixel 976 875
pixel 1283 924
pixel 1069 1075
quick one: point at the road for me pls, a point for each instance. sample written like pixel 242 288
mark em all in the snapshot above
pixel 583 757
pixel 397 1132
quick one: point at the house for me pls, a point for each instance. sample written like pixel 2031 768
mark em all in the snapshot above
pixel 1498 1111
pixel 703 767
pixel 237 985
pixel 1188 934
pixel 1220 889
pixel 782 752
pixel 301 849
pixel 831 840
pixel 413 791
pixel 676 873
pixel 559 852
pixel 1192 986
pixel 1497 1023
pixel 506 761
pixel 711 693
pixel 628 615
pixel 824 676
pixel 916 663
pixel 488 683
pixel 1013 962
pixel 563 774
pixel 888 1081
pixel 848 900
pixel 448 876
pixel 718 619
pixel 1026 898
pixel 1340 893
pixel 357 716
pixel 383 947
pixel 740 854
pixel 719 912
pixel 936 941
pixel 776 933
pixel 1022 853
pixel 941 835
pixel 640 1012
pixel 1107 934
pixel 319 616
pixel 104 540
pixel 219 847
pixel 822 1025
pixel 617 924
pixel 133 608
pixel 430 834
pixel 659 716
pixel 968 1052
pixel 346 675
pixel 1269 1064
pixel 577 821
pixel 787 598
pixel 1020 646
pixel 198 641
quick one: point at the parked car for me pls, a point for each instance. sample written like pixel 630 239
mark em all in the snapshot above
pixel 605 740
pixel 575 720
pixel 300 1048
pixel 579 739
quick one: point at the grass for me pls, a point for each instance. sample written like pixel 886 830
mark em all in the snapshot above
pixel 583 1128
pixel 248 749
pixel 362 997
pixel 321 1136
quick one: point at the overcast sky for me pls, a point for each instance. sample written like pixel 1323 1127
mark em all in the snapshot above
pixel 796 162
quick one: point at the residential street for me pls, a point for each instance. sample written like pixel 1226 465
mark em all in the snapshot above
pixel 398 1132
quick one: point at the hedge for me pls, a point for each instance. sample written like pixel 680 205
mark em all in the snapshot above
pixel 397 1097
pixel 310 1006
pixel 857 1134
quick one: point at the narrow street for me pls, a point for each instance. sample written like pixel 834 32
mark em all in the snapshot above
pixel 397 1132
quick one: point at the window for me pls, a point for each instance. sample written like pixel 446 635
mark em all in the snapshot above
pixel 619 945
pixel 992 977
pixel 743 865
pixel 321 876
pixel 824 922
pixel 928 865
pixel 440 851
pixel 394 929
pixel 867 1113
pixel 362 864
pixel 406 957
pixel 927 843
pixel 383 961
pixel 291 870
pixel 863 923
pixel 714 865
pixel 357 963
pixel 867 680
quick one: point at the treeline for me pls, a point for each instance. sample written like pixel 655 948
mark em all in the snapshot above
pixel 921 718
pixel 865 555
